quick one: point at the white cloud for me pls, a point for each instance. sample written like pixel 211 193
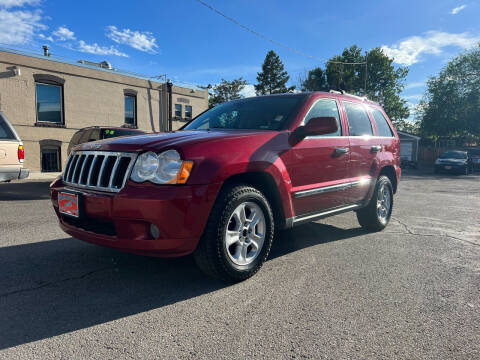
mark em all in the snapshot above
pixel 44 37
pixel 415 85
pixel 99 50
pixel 248 91
pixel 458 9
pixel 64 34
pixel 19 27
pixel 143 41
pixel 414 97
pixel 410 50
pixel 17 3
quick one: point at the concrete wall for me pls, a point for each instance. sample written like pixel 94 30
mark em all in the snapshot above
pixel 91 97
pixel 198 100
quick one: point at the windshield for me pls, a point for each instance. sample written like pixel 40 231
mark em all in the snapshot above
pixel 258 113
pixel 454 155
pixel 110 133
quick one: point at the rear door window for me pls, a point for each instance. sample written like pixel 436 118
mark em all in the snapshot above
pixel 325 108
pixel 382 124
pixel 358 121
pixel 5 131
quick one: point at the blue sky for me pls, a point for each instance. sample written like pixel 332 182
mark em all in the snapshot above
pixel 190 43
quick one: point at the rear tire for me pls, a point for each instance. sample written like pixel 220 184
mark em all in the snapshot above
pixel 238 235
pixel 376 215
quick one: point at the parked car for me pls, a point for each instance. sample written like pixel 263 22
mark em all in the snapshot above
pixel 474 154
pixel 454 161
pixel 223 185
pixel 12 152
pixel 95 133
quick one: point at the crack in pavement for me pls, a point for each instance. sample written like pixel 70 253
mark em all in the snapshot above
pixel 57 282
pixel 410 232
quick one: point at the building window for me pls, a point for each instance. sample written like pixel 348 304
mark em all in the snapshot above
pixel 131 110
pixel 50 156
pixel 49 103
pixel 188 111
pixel 178 110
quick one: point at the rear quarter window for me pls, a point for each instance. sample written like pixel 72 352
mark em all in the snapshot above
pixel 358 121
pixel 5 131
pixel 382 123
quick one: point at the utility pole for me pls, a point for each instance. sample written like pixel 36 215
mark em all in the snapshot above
pixel 366 71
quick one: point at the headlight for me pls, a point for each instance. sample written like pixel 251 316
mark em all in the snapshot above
pixel 437 161
pixel 164 168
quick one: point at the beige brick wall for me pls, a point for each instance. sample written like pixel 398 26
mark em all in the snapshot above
pixel 91 97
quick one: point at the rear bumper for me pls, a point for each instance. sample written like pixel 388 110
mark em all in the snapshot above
pixel 123 220
pixel 16 173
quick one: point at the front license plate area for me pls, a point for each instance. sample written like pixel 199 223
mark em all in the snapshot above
pixel 448 167
pixel 69 204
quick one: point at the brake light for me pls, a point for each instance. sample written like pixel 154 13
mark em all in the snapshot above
pixel 21 153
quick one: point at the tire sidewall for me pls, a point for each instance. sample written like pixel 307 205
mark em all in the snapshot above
pixel 230 206
pixel 383 180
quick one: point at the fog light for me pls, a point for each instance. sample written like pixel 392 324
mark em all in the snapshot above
pixel 154 232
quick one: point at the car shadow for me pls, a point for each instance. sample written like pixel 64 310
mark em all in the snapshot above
pixel 55 287
pixel 31 190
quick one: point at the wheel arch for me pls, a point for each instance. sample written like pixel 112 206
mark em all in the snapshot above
pixel 389 171
pixel 264 182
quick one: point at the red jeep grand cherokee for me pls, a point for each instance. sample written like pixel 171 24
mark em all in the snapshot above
pixel 224 184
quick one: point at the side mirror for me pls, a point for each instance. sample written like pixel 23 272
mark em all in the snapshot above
pixel 318 126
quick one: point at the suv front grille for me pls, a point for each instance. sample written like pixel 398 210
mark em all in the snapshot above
pixel 98 170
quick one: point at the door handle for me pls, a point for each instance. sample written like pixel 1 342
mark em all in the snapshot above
pixel 339 151
pixel 375 148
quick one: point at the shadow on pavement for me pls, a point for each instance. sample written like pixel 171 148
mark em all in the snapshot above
pixel 25 191
pixel 56 287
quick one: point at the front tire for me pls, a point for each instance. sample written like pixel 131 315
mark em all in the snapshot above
pixel 238 236
pixel 376 215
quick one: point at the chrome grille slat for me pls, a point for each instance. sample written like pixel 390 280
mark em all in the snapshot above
pixel 81 163
pixel 114 170
pixel 95 157
pixel 85 160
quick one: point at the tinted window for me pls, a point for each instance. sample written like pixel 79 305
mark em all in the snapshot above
pixel 188 111
pixel 382 124
pixel 76 138
pixel 49 103
pixel 178 110
pixel 5 132
pixel 130 110
pixel 325 108
pixel 358 121
pixel 454 155
pixel 85 136
pixel 257 113
pixel 110 133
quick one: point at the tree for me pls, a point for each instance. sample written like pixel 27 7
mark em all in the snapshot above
pixel 273 77
pixel 384 83
pixel 226 91
pixel 316 81
pixel 451 103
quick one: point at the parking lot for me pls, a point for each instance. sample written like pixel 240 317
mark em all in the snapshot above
pixel 329 289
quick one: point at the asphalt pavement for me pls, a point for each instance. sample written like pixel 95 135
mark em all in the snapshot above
pixel 328 291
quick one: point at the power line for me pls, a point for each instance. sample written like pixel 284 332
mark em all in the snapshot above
pixel 260 35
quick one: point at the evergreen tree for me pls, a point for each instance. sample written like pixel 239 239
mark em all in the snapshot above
pixel 316 81
pixel 273 77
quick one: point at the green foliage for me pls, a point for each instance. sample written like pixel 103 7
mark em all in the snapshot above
pixel 384 82
pixel 316 81
pixel 451 104
pixel 273 77
pixel 226 91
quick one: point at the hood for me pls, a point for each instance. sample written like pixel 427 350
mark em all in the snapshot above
pixel 451 161
pixel 161 141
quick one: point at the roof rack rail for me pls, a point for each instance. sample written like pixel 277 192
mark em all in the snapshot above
pixel 335 92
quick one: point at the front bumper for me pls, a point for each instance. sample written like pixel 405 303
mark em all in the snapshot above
pixel 450 168
pixel 123 220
